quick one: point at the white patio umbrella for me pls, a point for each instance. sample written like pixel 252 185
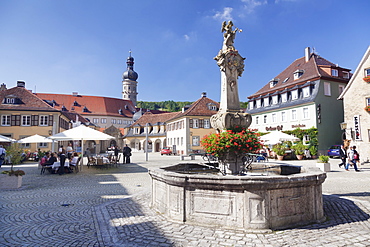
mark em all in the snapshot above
pixel 6 139
pixel 275 137
pixel 82 133
pixel 35 139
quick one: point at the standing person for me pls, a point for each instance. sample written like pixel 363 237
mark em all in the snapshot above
pixel 342 155
pixel 116 150
pixel 351 161
pixel 126 154
pixel 69 151
pixel 356 157
pixel 62 159
pixel 2 155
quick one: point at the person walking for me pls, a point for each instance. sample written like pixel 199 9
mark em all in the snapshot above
pixel 62 159
pixel 342 155
pixel 351 158
pixel 2 155
pixel 126 154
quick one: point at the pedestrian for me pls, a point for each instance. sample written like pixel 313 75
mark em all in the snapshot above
pixel 62 159
pixel 2 155
pixel 351 158
pixel 342 155
pixel 126 154
pixel 356 157
pixel 116 150
pixel 69 151
pixel 307 153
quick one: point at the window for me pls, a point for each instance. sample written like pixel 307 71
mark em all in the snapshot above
pixel 341 89
pixel 43 145
pixel 44 120
pixel 195 123
pixel 26 120
pixel 182 141
pixel 95 120
pixel 9 100
pixel 345 75
pixel 250 105
pixel 295 94
pixel 298 74
pixel 273 82
pixel 258 103
pixel 25 145
pixel 5 120
pixel 367 101
pixel 207 124
pixel 284 97
pixel 367 72
pixel 196 140
pixel 265 119
pixel 334 72
pixel 294 114
pixel 212 107
pixel 114 121
pixel 256 120
pixel 119 121
pixel 274 117
pixel 305 113
pixel 274 100
pixel 327 91
pixel 103 120
pixel 306 92
pixel 266 101
pixel 283 116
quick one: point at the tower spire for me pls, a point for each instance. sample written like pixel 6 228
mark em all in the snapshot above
pixel 129 82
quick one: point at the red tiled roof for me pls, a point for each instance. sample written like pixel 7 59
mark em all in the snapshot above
pixel 29 101
pixel 149 117
pixel 200 108
pixel 95 105
pixel 313 69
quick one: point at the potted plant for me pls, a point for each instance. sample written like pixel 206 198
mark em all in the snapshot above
pixel 367 78
pixel 299 148
pixel 279 149
pixel 313 152
pixel 323 163
pixel 12 179
pixel 367 108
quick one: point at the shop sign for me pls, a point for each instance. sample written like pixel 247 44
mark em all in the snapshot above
pixel 279 128
pixel 356 121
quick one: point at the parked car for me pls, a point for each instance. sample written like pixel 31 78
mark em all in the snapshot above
pixel 166 150
pixel 333 151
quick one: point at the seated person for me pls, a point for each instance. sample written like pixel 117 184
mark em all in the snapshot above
pixel 51 160
pixel 74 159
pixel 44 159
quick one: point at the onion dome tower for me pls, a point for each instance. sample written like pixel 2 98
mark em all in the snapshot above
pixel 129 83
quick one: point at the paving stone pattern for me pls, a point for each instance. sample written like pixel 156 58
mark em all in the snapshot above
pixel 110 207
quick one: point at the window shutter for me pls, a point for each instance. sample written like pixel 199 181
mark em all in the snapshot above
pixel 190 123
pixel 34 120
pixel 15 120
pixel 201 125
pixel 50 120
pixel 12 120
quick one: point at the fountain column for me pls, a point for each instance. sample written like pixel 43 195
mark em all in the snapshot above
pixel 230 115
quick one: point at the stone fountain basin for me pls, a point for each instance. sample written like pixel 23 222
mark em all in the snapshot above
pixel 256 202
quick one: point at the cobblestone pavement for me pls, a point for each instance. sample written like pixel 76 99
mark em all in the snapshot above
pixel 110 207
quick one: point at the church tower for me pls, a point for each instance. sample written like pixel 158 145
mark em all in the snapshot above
pixel 129 83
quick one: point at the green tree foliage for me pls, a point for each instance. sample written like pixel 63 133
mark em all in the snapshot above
pixel 14 151
pixel 168 105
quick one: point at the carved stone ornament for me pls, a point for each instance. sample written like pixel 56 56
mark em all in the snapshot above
pixel 225 120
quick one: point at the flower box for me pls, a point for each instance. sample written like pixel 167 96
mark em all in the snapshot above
pixel 10 182
pixel 367 78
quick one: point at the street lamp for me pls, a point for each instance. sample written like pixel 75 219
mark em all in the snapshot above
pixel 146 141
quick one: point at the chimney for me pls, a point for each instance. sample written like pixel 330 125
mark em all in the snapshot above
pixel 204 94
pixel 75 93
pixel 307 54
pixel 3 87
pixel 21 84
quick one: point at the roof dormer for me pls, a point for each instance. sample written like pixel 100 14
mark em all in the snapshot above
pixel 273 82
pixel 298 73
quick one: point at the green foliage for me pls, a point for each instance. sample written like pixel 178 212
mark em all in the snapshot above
pixel 168 105
pixel 279 149
pixel 239 143
pixel 311 133
pixel 313 150
pixel 14 151
pixel 323 159
pixel 299 148
pixel 243 105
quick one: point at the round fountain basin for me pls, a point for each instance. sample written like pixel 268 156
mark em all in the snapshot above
pixel 262 200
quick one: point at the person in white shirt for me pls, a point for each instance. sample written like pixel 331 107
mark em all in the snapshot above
pixel 2 155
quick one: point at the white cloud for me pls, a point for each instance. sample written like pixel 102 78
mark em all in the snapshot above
pixel 250 5
pixel 187 37
pixel 225 15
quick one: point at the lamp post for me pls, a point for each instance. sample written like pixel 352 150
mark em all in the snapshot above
pixel 146 141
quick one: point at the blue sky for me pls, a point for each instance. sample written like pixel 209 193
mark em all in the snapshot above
pixel 82 46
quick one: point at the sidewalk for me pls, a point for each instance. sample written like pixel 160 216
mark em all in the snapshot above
pixel 110 207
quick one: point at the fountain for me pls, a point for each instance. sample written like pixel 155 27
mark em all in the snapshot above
pixel 269 197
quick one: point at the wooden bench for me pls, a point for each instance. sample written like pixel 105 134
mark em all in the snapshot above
pixel 44 168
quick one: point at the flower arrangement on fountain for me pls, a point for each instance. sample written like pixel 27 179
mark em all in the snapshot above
pixel 236 142
pixel 367 108
pixel 367 78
